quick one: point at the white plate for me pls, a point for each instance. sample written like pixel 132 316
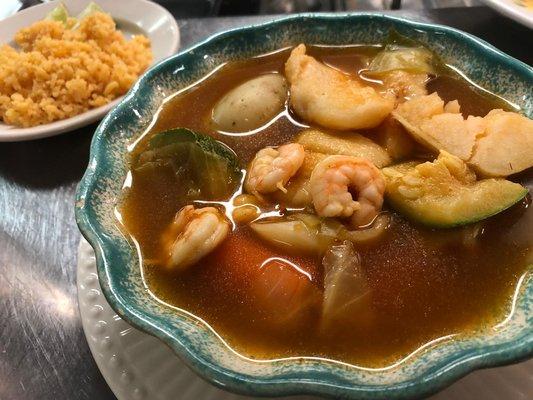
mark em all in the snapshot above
pixel 132 17
pixel 514 9
pixel 139 366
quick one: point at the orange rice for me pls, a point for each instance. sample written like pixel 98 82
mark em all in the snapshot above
pixel 60 72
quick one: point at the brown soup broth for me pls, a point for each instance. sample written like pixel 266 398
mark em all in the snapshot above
pixel 425 283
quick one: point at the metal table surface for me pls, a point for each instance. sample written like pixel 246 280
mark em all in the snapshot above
pixel 43 351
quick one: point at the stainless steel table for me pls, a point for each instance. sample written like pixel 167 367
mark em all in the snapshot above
pixel 43 352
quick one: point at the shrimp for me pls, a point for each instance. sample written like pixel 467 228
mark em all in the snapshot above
pixel 330 98
pixel 333 181
pixel 193 234
pixel 272 168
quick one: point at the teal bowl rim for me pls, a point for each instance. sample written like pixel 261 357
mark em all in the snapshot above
pixel 448 371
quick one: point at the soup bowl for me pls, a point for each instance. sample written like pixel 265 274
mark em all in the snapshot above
pixel 420 373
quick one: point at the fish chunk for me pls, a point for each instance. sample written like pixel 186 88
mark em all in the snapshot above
pixel 330 98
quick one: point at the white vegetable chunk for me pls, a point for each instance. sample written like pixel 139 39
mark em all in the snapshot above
pixel 307 234
pixel 295 235
pixel 251 104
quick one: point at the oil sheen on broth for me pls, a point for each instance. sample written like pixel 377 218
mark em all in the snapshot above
pixel 425 283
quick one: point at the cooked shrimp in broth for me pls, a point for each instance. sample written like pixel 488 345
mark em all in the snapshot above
pixel 314 202
pixel 272 168
pixel 193 234
pixel 335 182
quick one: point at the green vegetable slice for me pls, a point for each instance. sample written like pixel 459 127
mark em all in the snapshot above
pixel 59 14
pixel 405 54
pixel 91 8
pixel 445 193
pixel 415 60
pixel 203 167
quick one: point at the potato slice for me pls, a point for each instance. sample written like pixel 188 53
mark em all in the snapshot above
pixel 507 145
pixel 499 144
pixel 347 144
pixel 439 126
pixel 251 104
pixel 420 108
pixel 451 133
pixel 393 137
